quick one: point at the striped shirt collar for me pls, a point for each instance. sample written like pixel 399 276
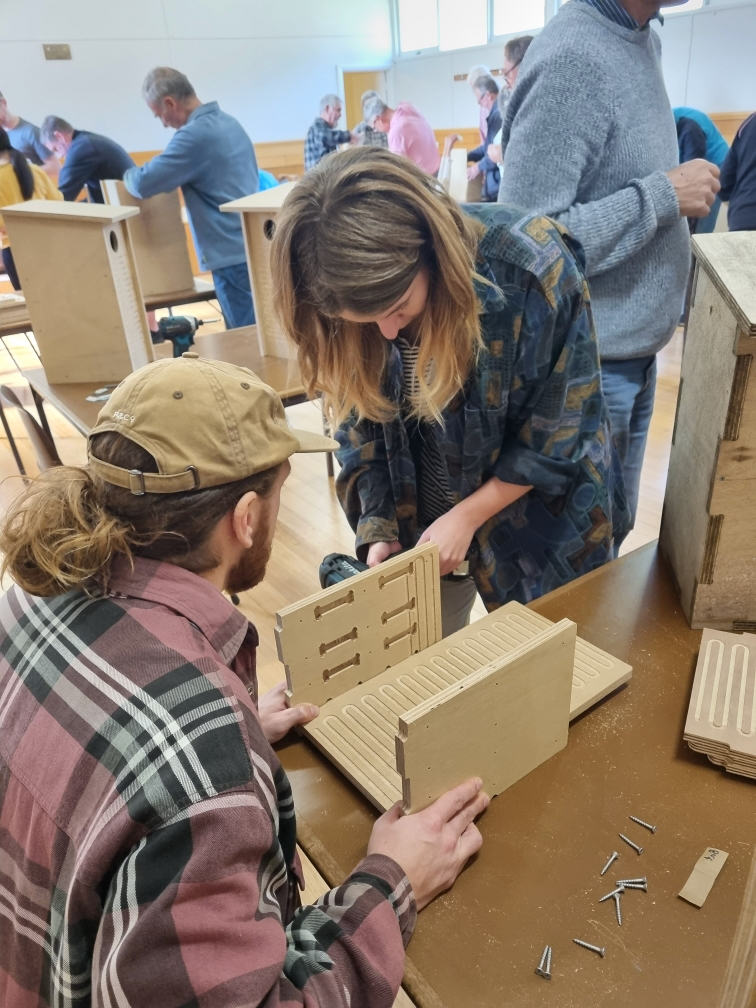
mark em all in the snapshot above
pixel 616 12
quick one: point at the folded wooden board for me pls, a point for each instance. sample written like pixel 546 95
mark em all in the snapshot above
pixel 721 718
pixel 358 730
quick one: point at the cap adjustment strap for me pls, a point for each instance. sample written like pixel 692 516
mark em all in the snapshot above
pixel 140 483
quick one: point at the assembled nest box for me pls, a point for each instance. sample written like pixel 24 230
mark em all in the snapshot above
pixel 78 271
pixel 708 530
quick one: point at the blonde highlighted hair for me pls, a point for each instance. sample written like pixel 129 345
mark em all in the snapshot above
pixel 352 236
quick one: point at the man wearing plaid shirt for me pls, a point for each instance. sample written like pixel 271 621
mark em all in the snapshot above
pixel 322 138
pixel 147 830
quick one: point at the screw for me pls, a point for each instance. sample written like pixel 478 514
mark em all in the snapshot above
pixel 635 881
pixel 630 842
pixel 641 823
pixel 619 889
pixel 610 862
pixel 636 885
pixel 617 906
pixel 544 966
pixel 593 948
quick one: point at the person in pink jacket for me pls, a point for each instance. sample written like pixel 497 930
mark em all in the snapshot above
pixel 409 132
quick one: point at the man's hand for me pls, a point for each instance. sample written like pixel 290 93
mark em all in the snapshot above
pixel 276 718
pixel 381 551
pixel 494 153
pixel 452 533
pixel 432 846
pixel 696 184
pixel 473 170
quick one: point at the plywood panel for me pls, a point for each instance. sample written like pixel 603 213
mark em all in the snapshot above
pixel 158 238
pixel 353 631
pixel 498 723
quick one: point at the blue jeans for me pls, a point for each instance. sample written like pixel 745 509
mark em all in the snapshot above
pixel 234 295
pixel 629 388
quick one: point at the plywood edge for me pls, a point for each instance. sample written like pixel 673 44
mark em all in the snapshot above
pixel 93 213
pixel 386 568
pixel 260 202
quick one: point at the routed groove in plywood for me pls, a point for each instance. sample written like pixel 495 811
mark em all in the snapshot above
pixel 737 398
pixel 712 546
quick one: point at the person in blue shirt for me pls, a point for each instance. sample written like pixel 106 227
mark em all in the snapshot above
pixel 716 152
pixel 739 178
pixel 212 160
pixel 88 157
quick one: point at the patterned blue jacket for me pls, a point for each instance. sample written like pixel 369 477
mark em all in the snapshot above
pixel 531 413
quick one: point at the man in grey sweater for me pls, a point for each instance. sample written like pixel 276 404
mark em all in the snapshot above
pixel 589 139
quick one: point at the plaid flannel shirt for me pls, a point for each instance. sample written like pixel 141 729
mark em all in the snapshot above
pixel 147 831
pixel 322 139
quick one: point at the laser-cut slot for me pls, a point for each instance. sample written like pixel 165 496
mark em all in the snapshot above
pixel 352 635
pixel 388 578
pixel 388 641
pixel 329 673
pixel 344 600
pixel 386 616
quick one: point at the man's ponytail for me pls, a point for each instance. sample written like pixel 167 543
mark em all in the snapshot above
pixel 57 534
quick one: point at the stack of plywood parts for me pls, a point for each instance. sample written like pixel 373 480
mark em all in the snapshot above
pixel 406 715
pixel 722 714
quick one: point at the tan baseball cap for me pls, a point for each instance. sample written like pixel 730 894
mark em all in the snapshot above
pixel 205 423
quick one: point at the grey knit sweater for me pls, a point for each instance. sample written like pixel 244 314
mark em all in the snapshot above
pixel 587 138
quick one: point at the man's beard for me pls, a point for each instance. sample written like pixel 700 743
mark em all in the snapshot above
pixel 251 568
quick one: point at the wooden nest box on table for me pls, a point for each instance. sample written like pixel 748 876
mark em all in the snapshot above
pixel 406 715
pixel 708 530
pixel 79 275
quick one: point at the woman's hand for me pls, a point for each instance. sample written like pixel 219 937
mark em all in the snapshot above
pixel 381 551
pixel 452 533
pixel 473 170
pixel 276 718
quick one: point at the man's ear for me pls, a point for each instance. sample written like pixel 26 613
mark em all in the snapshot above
pixel 245 518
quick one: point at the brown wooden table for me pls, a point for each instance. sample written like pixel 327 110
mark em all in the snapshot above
pixel 536 880
pixel 235 346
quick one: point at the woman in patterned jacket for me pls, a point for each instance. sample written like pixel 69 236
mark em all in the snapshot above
pixel 456 354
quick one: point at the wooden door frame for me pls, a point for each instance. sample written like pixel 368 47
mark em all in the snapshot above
pixel 341 70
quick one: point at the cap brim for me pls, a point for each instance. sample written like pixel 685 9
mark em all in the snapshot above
pixel 310 442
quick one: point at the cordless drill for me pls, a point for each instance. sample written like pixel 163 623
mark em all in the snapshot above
pixel 180 330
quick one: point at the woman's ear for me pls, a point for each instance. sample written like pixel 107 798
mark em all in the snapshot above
pixel 245 518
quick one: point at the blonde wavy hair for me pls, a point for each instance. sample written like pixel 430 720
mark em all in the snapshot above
pixel 352 236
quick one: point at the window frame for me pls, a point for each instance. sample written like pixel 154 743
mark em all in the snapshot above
pixel 550 9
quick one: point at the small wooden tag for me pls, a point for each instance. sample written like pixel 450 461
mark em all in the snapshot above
pixel 702 878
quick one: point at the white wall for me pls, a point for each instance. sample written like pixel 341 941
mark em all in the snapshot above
pixel 267 62
pixel 708 59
